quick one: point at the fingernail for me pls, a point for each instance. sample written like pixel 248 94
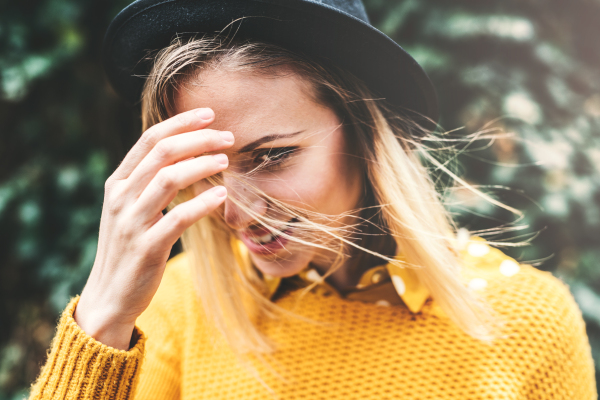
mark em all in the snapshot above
pixel 205 114
pixel 220 191
pixel 226 136
pixel 221 159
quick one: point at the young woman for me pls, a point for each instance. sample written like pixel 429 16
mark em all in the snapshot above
pixel 319 260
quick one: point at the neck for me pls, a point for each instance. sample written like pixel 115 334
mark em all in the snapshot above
pixel 347 276
pixel 374 237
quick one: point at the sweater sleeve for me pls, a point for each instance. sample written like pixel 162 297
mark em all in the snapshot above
pixel 80 367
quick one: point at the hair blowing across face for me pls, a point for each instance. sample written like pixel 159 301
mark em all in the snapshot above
pixel 400 205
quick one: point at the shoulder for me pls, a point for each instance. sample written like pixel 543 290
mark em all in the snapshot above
pixel 526 297
pixel 540 320
pixel 501 278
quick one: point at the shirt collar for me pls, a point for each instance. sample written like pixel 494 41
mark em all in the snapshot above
pixel 386 284
pixel 390 284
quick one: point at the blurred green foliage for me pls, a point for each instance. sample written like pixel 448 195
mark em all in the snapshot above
pixel 532 67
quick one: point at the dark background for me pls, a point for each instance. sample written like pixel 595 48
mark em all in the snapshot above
pixel 530 66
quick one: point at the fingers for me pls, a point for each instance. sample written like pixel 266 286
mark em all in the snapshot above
pixel 169 180
pixel 170 227
pixel 185 122
pixel 173 149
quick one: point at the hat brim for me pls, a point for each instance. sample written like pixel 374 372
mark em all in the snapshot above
pixel 302 26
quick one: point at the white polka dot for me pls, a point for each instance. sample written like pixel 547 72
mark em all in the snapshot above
pixel 399 284
pixel 478 249
pixel 477 284
pixel 462 238
pixel 383 303
pixel 313 276
pixel 509 268
pixel 377 277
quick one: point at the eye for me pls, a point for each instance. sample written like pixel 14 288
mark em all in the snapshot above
pixel 270 158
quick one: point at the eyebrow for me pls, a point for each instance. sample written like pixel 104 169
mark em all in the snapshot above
pixel 266 139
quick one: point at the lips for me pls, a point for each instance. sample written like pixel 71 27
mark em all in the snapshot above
pixel 263 241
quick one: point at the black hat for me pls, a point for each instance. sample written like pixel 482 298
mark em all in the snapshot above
pixel 334 30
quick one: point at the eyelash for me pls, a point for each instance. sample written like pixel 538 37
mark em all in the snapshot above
pixel 274 157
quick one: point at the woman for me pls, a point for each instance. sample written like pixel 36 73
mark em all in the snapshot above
pixel 319 261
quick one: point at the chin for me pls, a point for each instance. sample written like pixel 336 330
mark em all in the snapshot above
pixel 282 265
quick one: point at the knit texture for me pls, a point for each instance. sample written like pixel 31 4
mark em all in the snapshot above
pixel 79 367
pixel 359 351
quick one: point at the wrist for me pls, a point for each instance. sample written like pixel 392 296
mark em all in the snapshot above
pixel 104 327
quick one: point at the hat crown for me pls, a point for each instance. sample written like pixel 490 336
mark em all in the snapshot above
pixel 356 8
pixel 337 32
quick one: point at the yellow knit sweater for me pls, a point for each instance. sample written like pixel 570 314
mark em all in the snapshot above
pixel 366 351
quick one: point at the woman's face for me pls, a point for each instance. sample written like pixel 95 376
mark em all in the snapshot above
pixel 307 163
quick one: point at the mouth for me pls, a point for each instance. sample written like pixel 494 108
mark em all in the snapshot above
pixel 263 241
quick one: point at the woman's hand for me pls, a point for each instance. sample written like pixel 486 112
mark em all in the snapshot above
pixel 135 237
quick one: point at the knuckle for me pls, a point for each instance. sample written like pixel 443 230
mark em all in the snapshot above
pixel 108 184
pixel 115 193
pixel 204 206
pixel 124 232
pixel 205 136
pixel 179 220
pixel 165 180
pixel 148 138
pixel 162 150
pixel 211 140
pixel 112 208
pixel 113 202
pixel 183 119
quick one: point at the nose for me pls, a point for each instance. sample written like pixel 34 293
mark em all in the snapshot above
pixel 235 217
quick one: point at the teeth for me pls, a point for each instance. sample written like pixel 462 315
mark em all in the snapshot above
pixel 262 239
pixel 267 237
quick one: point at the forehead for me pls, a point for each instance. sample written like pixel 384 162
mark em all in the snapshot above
pixel 248 103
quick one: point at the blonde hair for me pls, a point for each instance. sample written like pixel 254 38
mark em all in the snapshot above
pixel 404 208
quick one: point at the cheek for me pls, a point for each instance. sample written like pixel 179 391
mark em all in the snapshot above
pixel 329 187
